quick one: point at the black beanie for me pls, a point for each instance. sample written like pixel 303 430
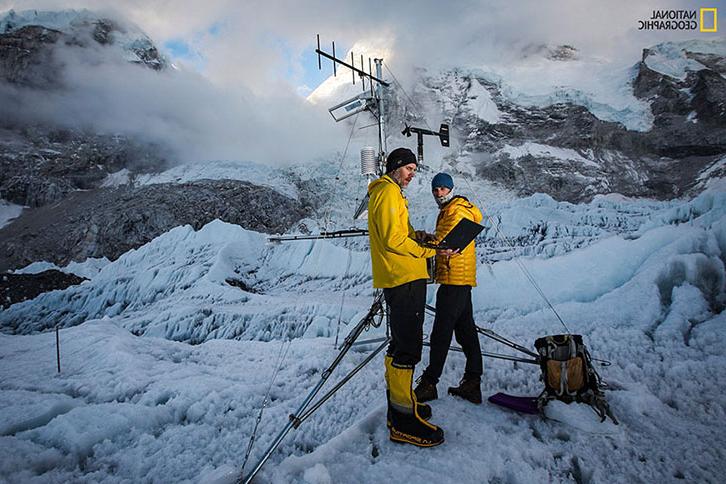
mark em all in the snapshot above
pixel 399 157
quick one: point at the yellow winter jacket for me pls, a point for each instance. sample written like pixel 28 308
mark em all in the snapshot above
pixel 395 256
pixel 459 269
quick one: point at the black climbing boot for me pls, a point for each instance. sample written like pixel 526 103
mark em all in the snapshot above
pixel 468 389
pixel 425 390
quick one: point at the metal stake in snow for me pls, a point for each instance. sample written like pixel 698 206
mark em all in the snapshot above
pixel 57 346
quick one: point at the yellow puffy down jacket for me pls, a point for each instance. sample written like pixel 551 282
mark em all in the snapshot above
pixel 395 256
pixel 460 269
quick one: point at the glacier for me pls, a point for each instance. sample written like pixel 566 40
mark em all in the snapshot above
pixel 644 283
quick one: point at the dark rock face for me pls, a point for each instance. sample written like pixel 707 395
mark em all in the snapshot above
pixel 16 288
pixel 109 222
pixel 39 166
pixel 26 56
pixel 709 99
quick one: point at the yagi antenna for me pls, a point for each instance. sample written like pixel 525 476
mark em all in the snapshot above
pixel 443 135
pixel 371 96
pixel 361 72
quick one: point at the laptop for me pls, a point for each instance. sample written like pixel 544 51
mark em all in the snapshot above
pixel 459 237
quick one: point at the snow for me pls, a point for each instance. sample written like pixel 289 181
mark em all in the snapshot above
pixel 646 290
pixel 480 102
pixel 708 173
pixel 116 179
pixel 88 268
pixel 8 211
pixel 539 150
pixel 670 58
pixel 599 85
pixel 257 173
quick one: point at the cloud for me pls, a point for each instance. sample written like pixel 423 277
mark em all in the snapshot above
pixel 246 47
pixel 246 103
pixel 98 90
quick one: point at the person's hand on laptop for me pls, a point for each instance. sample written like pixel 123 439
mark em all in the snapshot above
pixel 423 236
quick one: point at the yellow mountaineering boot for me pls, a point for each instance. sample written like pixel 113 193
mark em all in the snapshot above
pixel 407 425
pixel 424 410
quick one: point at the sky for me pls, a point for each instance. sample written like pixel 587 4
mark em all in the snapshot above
pixel 256 58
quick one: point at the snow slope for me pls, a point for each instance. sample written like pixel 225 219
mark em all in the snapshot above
pixel 257 173
pixel 670 58
pixel 129 408
pixel 8 211
pixel 599 85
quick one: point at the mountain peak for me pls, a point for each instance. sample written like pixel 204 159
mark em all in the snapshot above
pixel 83 27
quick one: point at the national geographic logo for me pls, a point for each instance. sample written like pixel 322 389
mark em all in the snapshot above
pixel 703 20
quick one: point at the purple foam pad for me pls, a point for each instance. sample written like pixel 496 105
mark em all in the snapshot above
pixel 519 404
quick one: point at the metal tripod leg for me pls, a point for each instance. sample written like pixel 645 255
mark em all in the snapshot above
pixel 498 338
pixel 297 418
pixel 342 382
pixel 501 339
pixel 493 355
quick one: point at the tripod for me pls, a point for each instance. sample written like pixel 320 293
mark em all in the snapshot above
pixel 373 317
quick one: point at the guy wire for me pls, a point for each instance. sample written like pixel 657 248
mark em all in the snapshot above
pixel 342 300
pixel 280 359
pixel 521 265
pixel 414 106
pixel 326 217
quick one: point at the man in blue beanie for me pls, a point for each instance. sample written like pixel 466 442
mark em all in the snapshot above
pixel 456 275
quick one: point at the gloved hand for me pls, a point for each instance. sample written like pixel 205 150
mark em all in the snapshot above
pixel 423 236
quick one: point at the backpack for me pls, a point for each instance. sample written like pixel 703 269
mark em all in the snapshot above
pixel 569 375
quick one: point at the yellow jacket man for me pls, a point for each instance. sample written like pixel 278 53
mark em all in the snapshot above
pixel 454 315
pixel 399 268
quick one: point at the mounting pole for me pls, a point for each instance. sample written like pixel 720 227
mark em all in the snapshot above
pixel 381 113
pixel 443 135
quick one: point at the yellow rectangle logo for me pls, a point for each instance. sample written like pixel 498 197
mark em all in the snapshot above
pixel 702 24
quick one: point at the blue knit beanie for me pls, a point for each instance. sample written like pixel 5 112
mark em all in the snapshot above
pixel 442 180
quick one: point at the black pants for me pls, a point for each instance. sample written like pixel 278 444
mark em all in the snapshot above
pixel 406 310
pixel 454 315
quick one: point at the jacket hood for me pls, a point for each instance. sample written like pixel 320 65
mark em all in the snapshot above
pixel 385 179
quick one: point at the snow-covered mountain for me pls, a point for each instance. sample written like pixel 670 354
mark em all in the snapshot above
pixel 552 121
pixel 28 40
pixel 43 160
